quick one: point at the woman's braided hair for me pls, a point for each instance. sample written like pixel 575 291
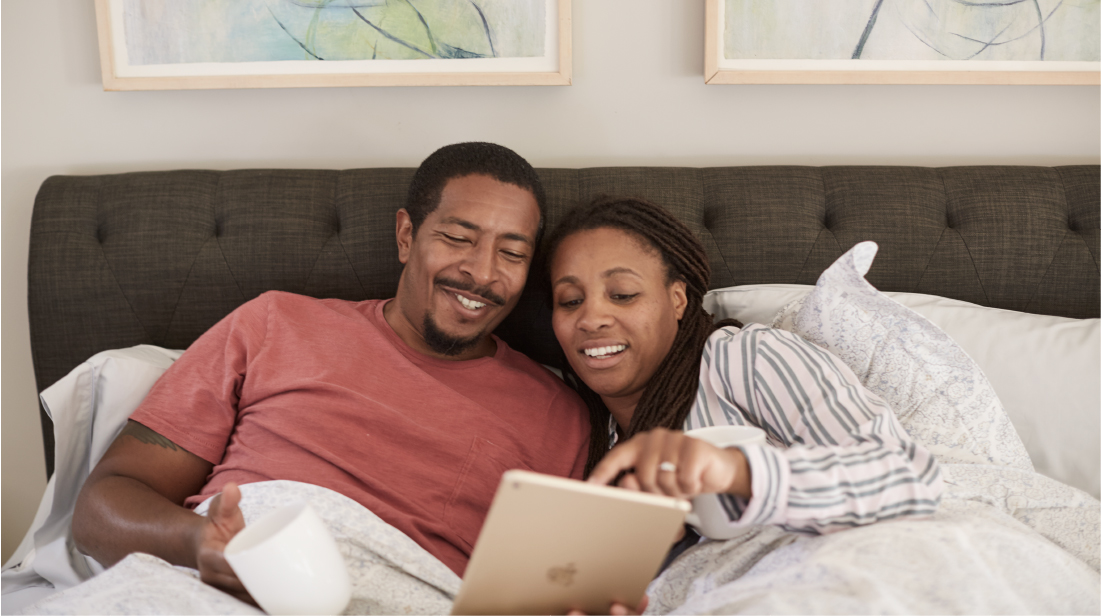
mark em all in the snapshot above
pixel 672 390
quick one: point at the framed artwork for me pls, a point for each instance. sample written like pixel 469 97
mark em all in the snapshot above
pixel 182 44
pixel 903 42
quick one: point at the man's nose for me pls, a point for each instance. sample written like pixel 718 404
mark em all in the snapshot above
pixel 480 264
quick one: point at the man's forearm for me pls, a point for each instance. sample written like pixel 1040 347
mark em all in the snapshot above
pixel 116 516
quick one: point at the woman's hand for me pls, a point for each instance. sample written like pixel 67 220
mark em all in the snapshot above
pixel 671 463
pixel 618 609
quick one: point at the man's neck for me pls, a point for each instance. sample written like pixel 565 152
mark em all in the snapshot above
pixel 414 337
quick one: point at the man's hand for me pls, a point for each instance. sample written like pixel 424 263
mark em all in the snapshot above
pixel 671 463
pixel 223 521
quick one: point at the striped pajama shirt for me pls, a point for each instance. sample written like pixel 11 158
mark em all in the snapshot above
pixel 836 456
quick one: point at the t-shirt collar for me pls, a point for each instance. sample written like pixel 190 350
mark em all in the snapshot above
pixel 422 359
pixel 613 435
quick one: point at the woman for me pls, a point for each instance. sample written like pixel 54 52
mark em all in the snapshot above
pixel 627 284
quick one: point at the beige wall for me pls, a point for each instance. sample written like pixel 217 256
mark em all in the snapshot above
pixel 638 98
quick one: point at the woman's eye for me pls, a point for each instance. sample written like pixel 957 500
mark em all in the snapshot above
pixel 570 303
pixel 624 297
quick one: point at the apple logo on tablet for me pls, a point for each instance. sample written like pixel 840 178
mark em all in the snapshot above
pixel 563 576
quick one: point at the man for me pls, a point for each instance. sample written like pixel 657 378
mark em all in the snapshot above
pixel 409 406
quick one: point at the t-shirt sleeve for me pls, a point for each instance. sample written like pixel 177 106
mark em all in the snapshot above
pixel 195 402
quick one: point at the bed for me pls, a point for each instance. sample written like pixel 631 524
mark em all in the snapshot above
pixel 1003 259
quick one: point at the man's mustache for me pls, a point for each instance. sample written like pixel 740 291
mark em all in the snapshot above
pixel 483 292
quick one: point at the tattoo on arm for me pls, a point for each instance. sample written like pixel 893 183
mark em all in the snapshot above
pixel 147 436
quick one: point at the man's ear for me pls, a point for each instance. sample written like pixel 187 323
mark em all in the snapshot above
pixel 680 297
pixel 404 234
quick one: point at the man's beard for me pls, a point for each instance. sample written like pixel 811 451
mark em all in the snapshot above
pixel 444 343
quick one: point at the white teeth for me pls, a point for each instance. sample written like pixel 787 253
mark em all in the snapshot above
pixel 473 305
pixel 605 351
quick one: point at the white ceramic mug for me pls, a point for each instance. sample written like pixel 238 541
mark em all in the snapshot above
pixel 707 514
pixel 289 562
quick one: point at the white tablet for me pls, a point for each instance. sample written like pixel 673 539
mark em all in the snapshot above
pixel 550 544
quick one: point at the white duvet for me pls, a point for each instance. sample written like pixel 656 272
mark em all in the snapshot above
pixel 390 573
pixel 992 548
pixel 1003 541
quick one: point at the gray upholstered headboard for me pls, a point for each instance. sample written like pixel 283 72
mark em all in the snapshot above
pixel 157 258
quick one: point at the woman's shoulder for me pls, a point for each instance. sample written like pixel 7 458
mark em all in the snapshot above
pixel 733 332
pixel 751 335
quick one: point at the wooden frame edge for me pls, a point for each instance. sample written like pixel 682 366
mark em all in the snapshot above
pixel 565 44
pixel 712 39
pixel 106 53
pixel 1048 78
pixel 113 83
pixel 336 81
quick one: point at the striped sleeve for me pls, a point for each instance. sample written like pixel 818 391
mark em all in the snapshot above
pixel 836 455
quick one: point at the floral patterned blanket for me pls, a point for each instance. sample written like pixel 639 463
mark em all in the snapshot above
pixel 1004 541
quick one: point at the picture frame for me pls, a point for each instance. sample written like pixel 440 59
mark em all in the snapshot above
pixel 719 69
pixel 431 60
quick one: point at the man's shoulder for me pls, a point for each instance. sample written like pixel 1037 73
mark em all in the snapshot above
pixel 542 375
pixel 287 297
pixel 285 300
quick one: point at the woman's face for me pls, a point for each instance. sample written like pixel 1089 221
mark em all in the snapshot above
pixel 614 314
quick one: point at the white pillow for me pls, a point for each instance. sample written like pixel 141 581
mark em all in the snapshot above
pixel 1046 370
pixel 939 394
pixel 753 303
pixel 89 407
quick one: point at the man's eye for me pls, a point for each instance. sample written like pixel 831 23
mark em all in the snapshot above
pixel 515 256
pixel 455 238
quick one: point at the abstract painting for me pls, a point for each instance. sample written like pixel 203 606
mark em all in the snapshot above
pixel 152 44
pixel 904 41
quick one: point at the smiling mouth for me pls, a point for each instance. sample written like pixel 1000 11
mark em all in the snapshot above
pixel 460 290
pixel 605 352
pixel 470 304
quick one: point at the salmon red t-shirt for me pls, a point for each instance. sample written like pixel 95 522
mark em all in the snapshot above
pixel 323 391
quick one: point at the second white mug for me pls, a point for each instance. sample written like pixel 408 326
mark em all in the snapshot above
pixel 707 513
pixel 290 563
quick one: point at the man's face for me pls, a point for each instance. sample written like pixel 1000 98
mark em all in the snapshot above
pixel 464 268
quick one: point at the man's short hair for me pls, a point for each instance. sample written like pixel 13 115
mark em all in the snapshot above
pixel 472 158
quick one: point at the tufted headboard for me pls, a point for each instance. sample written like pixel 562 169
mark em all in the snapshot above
pixel 159 257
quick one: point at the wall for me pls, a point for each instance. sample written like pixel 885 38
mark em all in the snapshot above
pixel 638 98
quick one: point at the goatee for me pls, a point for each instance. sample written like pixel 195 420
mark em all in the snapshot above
pixel 444 343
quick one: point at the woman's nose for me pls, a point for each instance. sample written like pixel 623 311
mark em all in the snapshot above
pixel 594 315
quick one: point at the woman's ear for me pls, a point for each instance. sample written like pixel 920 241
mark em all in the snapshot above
pixel 679 296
